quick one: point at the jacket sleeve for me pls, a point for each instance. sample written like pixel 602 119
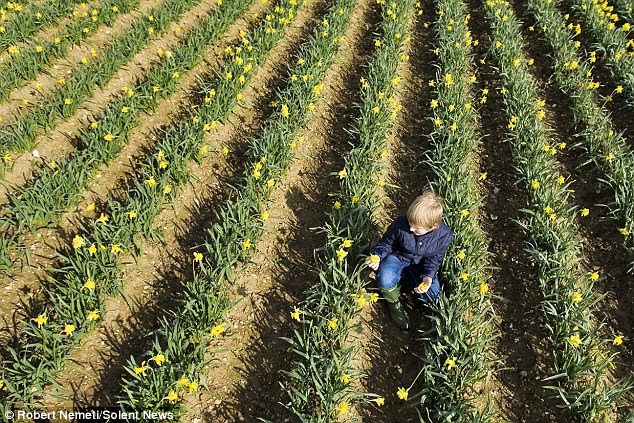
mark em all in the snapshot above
pixel 386 243
pixel 432 263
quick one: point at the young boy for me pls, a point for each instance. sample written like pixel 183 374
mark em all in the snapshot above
pixel 416 244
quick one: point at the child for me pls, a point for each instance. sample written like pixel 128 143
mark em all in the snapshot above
pixel 415 243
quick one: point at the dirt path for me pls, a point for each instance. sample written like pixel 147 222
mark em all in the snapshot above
pixel 244 382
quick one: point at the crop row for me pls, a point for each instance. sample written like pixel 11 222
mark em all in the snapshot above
pixel 35 56
pixel 581 356
pixel 91 270
pixel 458 351
pixel 607 147
pixel 25 22
pixel 183 337
pixel 612 37
pixel 320 381
pixel 98 144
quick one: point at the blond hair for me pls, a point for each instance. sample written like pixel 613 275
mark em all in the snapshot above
pixel 425 211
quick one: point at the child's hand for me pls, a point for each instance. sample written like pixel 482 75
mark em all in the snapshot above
pixel 373 261
pixel 424 285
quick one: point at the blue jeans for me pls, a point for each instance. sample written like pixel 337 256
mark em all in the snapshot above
pixel 389 275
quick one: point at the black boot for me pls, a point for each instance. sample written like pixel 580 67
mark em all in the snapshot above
pixel 392 297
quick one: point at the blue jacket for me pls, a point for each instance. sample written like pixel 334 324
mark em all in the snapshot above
pixel 430 248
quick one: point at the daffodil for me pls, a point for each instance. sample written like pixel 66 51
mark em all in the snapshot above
pixel 295 313
pixel 332 324
pixel 182 381
pixel 93 315
pixel 217 330
pixel 159 359
pixel 171 396
pixel 574 340
pixel 89 285
pixel 69 329
pixel 78 242
pixel 343 408
pixel 361 301
pixel 41 320
pixel 450 362
pixel 141 369
pixel 198 256
pixel 193 387
pixel 402 393
pixel 379 400
pixel 341 254
pixel 618 340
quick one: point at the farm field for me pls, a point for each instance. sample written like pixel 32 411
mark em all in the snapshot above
pixel 190 188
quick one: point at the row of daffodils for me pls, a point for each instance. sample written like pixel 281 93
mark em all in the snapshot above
pixel 625 8
pixel 105 137
pixel 91 268
pixel 30 59
pixel 457 354
pixel 580 347
pixel 174 365
pixel 69 93
pixel 612 36
pixel 598 136
pixel 320 383
pixel 26 20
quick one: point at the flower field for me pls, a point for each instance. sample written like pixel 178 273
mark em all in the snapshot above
pixel 190 189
